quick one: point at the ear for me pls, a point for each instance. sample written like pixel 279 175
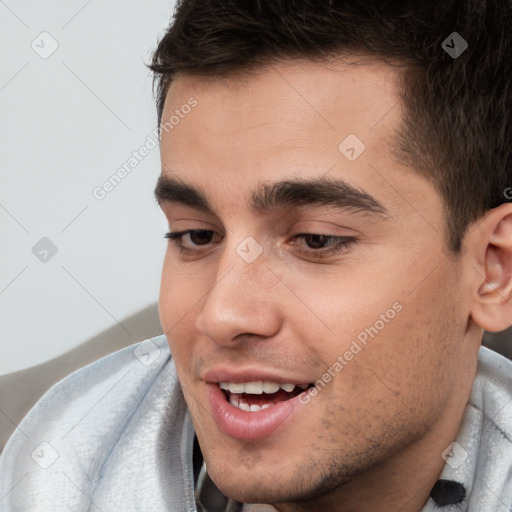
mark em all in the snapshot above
pixel 491 244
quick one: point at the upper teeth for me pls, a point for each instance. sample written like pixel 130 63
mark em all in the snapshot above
pixel 257 387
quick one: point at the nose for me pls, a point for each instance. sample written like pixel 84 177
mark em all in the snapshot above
pixel 241 303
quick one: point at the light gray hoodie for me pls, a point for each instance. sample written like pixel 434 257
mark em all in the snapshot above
pixel 116 435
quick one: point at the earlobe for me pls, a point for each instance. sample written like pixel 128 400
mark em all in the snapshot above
pixel 492 305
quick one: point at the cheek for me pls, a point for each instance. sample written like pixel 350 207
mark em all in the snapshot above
pixel 335 314
pixel 395 338
pixel 176 312
pixel 411 361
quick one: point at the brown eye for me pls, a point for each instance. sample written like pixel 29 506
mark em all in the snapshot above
pixel 316 241
pixel 198 237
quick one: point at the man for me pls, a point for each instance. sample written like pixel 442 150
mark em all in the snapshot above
pixel 336 180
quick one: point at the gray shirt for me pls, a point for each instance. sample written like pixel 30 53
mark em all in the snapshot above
pixel 117 435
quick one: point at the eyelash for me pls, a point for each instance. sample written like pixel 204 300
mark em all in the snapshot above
pixel 344 245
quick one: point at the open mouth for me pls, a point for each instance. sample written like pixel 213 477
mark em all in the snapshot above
pixel 256 409
pixel 259 395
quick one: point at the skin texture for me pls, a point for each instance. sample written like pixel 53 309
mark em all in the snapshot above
pixel 372 439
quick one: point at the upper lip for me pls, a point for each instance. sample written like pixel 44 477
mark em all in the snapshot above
pixel 219 374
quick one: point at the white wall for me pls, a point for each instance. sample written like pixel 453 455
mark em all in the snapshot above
pixel 68 121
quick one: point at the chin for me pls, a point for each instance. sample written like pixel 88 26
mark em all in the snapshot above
pixel 255 484
pixel 247 485
pixel 254 492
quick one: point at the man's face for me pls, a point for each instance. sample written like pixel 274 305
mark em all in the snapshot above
pixel 260 296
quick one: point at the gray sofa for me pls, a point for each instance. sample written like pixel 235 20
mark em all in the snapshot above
pixel 19 391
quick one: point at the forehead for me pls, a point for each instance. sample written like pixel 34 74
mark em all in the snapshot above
pixel 290 119
pixel 289 105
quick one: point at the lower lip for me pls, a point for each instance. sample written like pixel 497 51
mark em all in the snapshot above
pixel 249 425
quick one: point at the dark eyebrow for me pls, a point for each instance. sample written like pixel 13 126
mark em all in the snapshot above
pixel 294 193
